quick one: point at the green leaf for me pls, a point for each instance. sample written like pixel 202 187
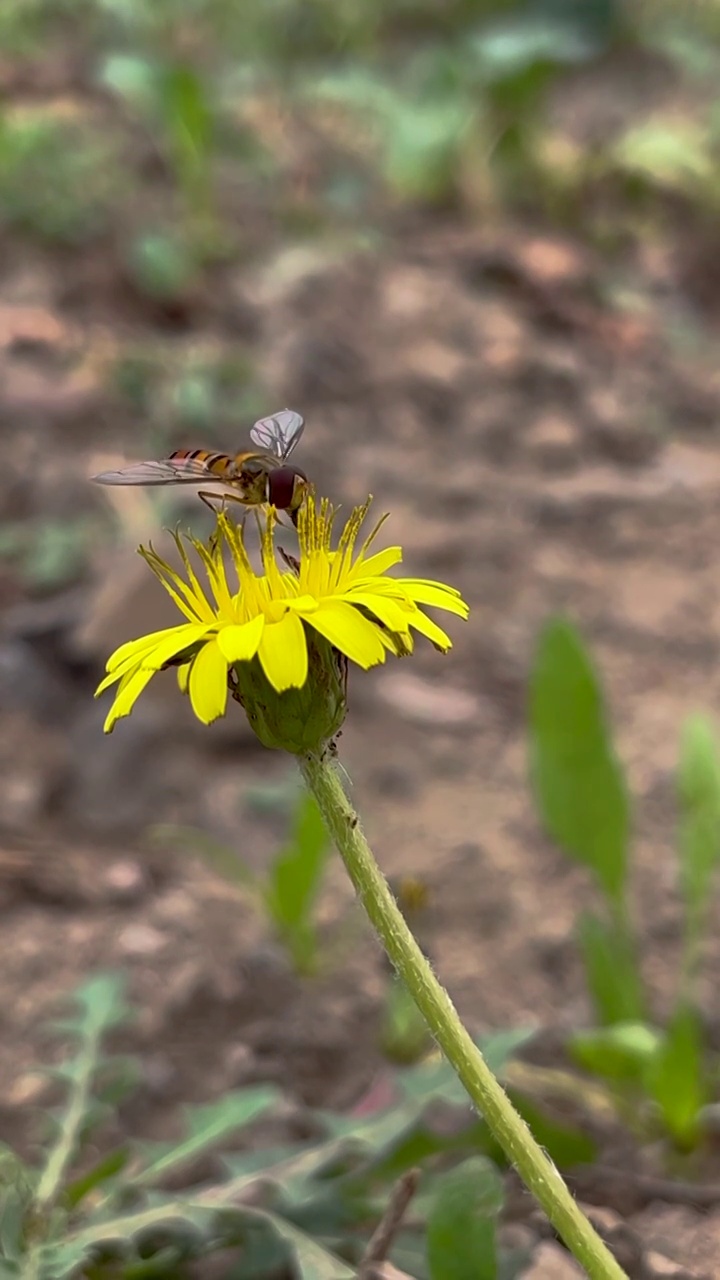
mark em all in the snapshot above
pixel 188 123
pixel 423 148
pixel 699 836
pixel 676 1078
pixel 619 1052
pixel 462 1223
pixel 162 264
pixel 131 77
pixel 102 1003
pixel 295 882
pixel 312 1261
pixel 183 1219
pixel 104 1169
pixel 668 152
pixel 14 1205
pixel 611 970
pixel 577 779
pixel 207 1126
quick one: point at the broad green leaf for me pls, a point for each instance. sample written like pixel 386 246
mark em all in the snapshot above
pixel 611 971
pixel 618 1052
pixel 207 1125
pixel 676 1077
pixel 461 1227
pixel 295 881
pixel 14 1205
pixel 699 835
pixel 312 1261
pixel 578 782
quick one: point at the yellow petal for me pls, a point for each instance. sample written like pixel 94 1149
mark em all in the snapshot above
pixel 208 683
pixel 183 675
pixel 126 697
pixel 133 649
pixel 435 594
pixel 379 563
pixel 111 678
pixel 239 644
pixel 390 612
pixel 184 637
pixel 283 653
pixel 428 628
pixel 346 628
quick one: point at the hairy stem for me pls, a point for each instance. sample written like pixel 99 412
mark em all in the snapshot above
pixel 537 1172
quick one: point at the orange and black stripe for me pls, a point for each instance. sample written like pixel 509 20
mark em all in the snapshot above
pixel 216 463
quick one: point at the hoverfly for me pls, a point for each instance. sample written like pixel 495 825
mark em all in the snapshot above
pixel 255 478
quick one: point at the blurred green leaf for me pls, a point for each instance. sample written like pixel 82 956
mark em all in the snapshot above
pixel 195 398
pixel 579 784
pixel 132 77
pixel 294 882
pixel 423 146
pixel 461 1231
pixel 619 1052
pixel 669 152
pixel 699 835
pixel 161 264
pixel 102 1004
pixel 611 970
pixel 207 1126
pixel 312 1261
pixel 188 121
pixel 676 1077
pixel 57 176
pixel 14 1205
pixel 50 553
pixel 102 1171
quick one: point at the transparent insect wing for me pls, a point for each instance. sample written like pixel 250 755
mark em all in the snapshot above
pixel 167 471
pixel 279 433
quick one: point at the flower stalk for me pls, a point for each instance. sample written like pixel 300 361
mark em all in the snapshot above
pixel 534 1167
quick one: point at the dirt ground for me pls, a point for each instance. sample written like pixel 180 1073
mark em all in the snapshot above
pixel 543 428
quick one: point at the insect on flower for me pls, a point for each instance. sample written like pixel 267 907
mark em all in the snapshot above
pixel 254 477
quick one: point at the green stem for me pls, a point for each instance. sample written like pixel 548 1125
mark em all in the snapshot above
pixel 536 1170
pixel 62 1153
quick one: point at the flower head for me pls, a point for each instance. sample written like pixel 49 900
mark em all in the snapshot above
pixel 281 629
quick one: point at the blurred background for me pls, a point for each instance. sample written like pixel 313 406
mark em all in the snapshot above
pixel 477 245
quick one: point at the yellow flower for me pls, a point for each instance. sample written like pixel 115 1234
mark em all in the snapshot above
pixel 275 624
